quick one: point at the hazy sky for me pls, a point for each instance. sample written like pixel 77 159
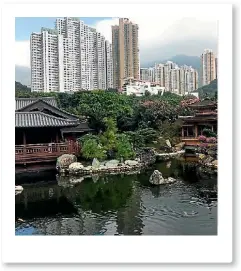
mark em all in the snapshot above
pixel 159 37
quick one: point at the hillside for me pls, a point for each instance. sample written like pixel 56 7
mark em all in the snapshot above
pixel 20 87
pixel 209 90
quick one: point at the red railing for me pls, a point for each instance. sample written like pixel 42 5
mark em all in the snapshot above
pixel 44 152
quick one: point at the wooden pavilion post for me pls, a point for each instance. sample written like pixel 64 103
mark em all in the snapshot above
pixel 57 141
pixel 24 142
pixel 196 132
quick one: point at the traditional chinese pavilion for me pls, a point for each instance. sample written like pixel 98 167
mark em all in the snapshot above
pixel 205 116
pixel 43 131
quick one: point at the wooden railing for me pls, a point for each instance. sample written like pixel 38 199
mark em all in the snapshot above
pixel 44 152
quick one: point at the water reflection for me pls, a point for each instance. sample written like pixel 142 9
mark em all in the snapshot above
pixel 120 205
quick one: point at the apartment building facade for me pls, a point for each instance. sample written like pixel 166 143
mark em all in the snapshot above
pixel 147 74
pixel 109 65
pixel 179 80
pixel 71 57
pixel 125 52
pixel 208 67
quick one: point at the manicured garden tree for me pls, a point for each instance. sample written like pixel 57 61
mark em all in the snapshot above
pixel 124 149
pixel 91 149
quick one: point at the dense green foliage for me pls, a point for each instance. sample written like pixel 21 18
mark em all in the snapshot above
pixel 142 137
pixel 142 119
pixel 130 112
pixel 109 143
pixel 124 149
pixel 91 149
pixel 209 133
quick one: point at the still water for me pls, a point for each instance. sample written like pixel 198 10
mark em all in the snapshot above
pixel 119 205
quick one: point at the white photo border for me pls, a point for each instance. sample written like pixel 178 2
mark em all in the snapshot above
pixel 121 249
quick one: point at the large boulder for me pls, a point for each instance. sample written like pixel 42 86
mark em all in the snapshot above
pixel 156 178
pixel 112 163
pixel 75 167
pixel 179 146
pixel 65 160
pixel 168 143
pixel 95 163
pixel 131 162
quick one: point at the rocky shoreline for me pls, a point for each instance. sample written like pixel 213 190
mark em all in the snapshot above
pixel 68 165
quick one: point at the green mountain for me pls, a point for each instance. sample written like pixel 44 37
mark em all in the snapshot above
pixel 210 90
pixel 20 87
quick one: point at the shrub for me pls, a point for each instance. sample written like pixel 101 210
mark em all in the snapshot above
pixel 202 138
pixel 211 140
pixel 209 133
pixel 91 149
pixel 87 137
pixel 124 147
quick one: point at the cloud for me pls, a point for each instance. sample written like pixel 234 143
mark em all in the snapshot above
pixel 22 53
pixel 166 36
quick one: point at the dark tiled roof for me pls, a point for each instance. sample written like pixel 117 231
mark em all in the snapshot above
pixel 23 102
pixel 82 127
pixel 39 119
pixel 203 103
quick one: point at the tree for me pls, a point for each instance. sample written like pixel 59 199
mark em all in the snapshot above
pixel 91 149
pixel 124 148
pixel 109 137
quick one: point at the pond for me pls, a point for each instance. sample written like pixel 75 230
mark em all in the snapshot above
pixel 119 205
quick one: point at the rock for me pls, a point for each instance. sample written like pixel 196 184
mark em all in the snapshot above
pixel 180 146
pixel 65 160
pixel 112 163
pixel 75 167
pixel 215 162
pixel 168 143
pixel 170 180
pixel 168 164
pixel 102 167
pixel 131 162
pixel 95 163
pixel 156 178
pixel 18 189
pixel 88 168
pixel 201 156
pixel 208 160
pixel 75 180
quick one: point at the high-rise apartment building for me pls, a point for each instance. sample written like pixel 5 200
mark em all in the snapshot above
pixel 159 74
pixel 109 65
pixel 125 51
pixel 175 79
pixel 208 67
pixel 70 58
pixel 147 74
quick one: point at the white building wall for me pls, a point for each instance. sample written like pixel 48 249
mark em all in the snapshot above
pixel 101 60
pixel 109 65
pixel 36 62
pixel 50 61
pixel 70 58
